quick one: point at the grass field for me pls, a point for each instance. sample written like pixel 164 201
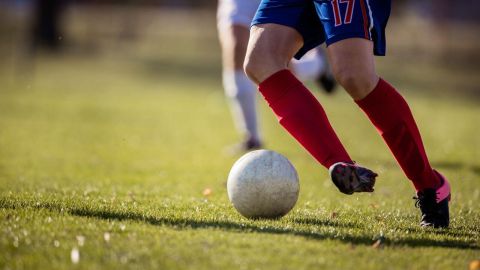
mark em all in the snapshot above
pixel 109 158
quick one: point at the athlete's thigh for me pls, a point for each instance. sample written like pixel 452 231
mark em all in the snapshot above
pixel 352 58
pixel 270 49
pixel 355 31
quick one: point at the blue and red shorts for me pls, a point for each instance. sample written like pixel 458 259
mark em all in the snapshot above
pixel 329 21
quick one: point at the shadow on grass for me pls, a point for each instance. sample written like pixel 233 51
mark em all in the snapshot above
pixel 323 222
pixel 191 223
pixel 238 226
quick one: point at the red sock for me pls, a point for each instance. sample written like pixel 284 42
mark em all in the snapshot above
pixel 300 113
pixel 392 117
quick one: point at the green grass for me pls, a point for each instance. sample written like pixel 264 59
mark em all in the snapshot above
pixel 85 152
pixel 110 155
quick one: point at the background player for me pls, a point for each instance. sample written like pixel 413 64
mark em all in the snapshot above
pixel 233 23
pixel 354 30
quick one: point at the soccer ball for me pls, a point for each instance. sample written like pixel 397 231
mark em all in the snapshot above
pixel 263 184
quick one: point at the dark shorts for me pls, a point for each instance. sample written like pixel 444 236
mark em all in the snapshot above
pixel 329 21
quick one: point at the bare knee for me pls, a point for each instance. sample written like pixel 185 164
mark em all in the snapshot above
pixel 252 67
pixel 260 66
pixel 260 62
pixel 353 65
pixel 358 83
pixel 269 50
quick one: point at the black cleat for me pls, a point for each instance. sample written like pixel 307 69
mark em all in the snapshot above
pixel 249 145
pixel 434 205
pixel 244 146
pixel 327 82
pixel 350 178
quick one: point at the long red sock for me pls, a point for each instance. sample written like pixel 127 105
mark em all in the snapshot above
pixel 300 113
pixel 392 117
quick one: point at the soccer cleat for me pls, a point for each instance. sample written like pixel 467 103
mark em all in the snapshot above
pixel 327 82
pixel 350 177
pixel 434 205
pixel 244 146
pixel 251 144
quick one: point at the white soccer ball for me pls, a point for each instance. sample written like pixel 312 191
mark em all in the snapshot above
pixel 263 184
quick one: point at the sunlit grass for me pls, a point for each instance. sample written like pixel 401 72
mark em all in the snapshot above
pixel 113 164
pixel 108 151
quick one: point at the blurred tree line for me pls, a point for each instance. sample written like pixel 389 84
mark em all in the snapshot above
pixel 46 15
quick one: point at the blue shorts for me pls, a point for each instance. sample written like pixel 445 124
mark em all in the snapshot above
pixel 329 21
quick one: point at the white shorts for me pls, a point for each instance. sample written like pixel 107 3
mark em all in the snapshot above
pixel 236 12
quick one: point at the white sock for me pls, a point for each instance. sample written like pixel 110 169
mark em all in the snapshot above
pixel 310 66
pixel 241 93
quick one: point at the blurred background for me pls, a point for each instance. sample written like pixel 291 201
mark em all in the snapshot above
pixel 114 111
pixel 432 44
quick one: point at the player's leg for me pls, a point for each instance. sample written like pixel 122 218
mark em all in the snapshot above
pixel 233 30
pixel 270 49
pixel 352 61
pixel 353 66
pixel 314 67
